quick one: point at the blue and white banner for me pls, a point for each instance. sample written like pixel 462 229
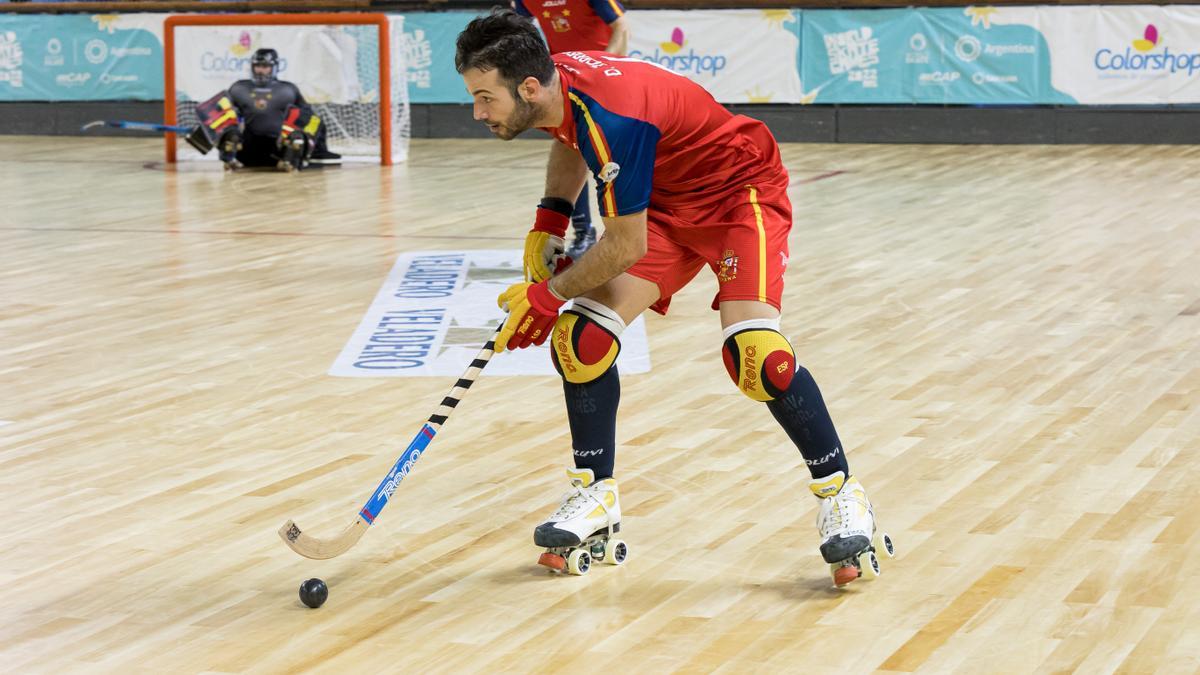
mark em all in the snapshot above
pixel 81 58
pixel 436 310
pixel 928 55
pixel 429 45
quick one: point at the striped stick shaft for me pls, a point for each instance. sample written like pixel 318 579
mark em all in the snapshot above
pixel 438 418
pixel 416 448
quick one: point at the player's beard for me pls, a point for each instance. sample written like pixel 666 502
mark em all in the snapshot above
pixel 519 121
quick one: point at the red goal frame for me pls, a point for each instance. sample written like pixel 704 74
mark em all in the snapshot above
pixel 347 18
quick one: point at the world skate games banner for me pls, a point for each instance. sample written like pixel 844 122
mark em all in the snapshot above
pixel 966 55
pixel 1003 55
pixel 80 58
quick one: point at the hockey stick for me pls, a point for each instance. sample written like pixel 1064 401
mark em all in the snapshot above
pixel 322 549
pixel 139 126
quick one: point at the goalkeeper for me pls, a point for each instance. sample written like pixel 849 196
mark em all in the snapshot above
pixel 262 121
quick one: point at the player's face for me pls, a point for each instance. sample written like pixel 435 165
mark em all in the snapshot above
pixel 506 115
pixel 261 71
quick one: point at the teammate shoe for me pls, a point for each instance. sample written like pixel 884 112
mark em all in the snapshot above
pixel 591 508
pixel 584 238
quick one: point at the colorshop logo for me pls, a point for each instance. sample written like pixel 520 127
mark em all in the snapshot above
pixel 670 55
pixel 230 64
pixel 1135 57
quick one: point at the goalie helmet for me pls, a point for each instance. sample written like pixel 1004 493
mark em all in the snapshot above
pixel 264 57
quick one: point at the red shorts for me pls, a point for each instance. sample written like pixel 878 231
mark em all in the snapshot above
pixel 743 239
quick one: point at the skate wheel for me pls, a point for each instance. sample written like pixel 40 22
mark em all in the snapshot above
pixel 615 552
pixel 843 574
pixel 554 561
pixel 870 570
pixel 579 562
pixel 889 549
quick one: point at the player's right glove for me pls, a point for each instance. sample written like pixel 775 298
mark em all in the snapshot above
pixel 544 243
pixel 532 310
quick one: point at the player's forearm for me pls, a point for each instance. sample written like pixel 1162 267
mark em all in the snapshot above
pixel 566 173
pixel 623 244
pixel 618 42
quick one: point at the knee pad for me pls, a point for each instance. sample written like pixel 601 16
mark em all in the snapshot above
pixel 585 342
pixel 760 361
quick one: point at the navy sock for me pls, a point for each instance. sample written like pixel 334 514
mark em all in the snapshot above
pixel 592 413
pixel 802 413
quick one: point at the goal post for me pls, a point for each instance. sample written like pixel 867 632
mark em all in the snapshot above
pixel 349 67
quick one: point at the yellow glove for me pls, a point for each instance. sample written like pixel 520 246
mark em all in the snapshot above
pixel 544 243
pixel 542 250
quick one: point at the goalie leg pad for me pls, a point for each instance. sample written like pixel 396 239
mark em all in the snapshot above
pixel 759 359
pixel 586 341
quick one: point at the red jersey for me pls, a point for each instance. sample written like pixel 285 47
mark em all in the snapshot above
pixel 573 25
pixel 653 138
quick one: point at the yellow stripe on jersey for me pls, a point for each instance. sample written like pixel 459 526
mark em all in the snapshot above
pixel 609 203
pixel 762 245
pixel 616 8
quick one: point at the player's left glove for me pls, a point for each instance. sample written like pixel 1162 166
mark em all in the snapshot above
pixel 544 243
pixel 532 311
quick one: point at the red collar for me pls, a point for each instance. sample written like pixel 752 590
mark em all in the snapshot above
pixel 566 131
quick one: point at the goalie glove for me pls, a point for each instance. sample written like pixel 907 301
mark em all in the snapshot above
pixel 532 311
pixel 544 244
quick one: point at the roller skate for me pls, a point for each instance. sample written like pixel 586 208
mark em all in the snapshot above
pixel 849 541
pixel 229 145
pixel 580 533
pixel 295 151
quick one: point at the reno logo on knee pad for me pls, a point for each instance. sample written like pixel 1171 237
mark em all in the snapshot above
pixel 760 362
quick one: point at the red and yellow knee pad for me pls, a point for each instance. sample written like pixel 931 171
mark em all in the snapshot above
pixel 760 361
pixel 583 348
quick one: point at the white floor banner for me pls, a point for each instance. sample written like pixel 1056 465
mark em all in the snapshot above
pixel 435 311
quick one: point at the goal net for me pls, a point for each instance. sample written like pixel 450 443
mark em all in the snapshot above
pixel 349 67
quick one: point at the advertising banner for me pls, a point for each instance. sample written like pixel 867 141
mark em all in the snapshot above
pixel 932 55
pixel 1119 55
pixel 80 58
pixel 1031 55
pixel 856 56
pixel 740 56
pixel 429 44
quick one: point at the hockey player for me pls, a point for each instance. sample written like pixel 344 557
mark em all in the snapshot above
pixel 682 185
pixel 262 121
pixel 576 26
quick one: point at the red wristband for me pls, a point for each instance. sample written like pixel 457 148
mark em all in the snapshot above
pixel 551 222
pixel 543 299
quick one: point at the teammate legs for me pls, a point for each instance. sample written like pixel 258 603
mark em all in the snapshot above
pixel 581 222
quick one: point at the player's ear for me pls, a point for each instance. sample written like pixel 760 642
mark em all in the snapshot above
pixel 529 89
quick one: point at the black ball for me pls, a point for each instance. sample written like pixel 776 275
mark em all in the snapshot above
pixel 313 593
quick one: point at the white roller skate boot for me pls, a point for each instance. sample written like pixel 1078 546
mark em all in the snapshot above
pixel 847 525
pixel 581 531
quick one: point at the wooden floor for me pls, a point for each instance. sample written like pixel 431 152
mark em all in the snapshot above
pixel 1009 339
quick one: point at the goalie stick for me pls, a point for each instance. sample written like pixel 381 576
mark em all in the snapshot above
pixel 140 126
pixel 322 549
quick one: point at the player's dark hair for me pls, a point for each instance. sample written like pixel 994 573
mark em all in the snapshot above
pixel 507 42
